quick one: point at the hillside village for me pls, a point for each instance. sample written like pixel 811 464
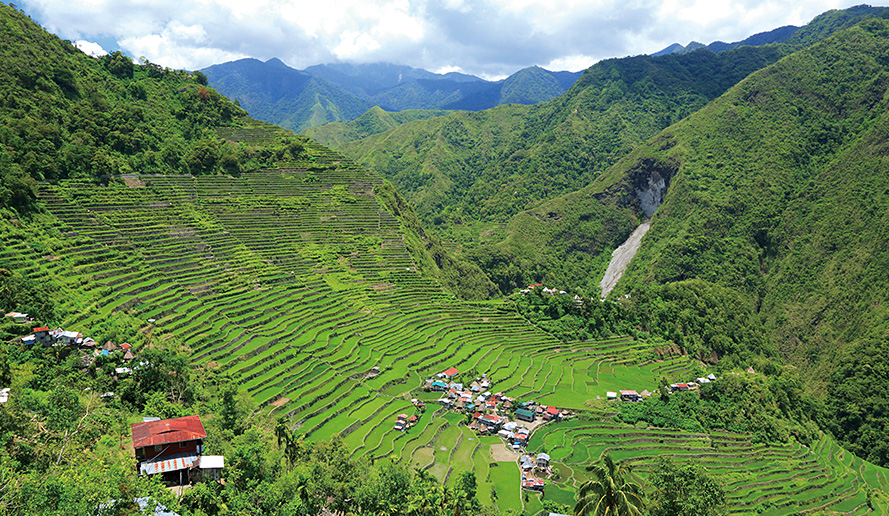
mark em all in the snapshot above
pixel 493 413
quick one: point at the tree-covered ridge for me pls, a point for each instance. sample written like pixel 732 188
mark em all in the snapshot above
pixel 552 148
pixel 336 93
pixel 777 192
pixel 274 92
pixel 64 115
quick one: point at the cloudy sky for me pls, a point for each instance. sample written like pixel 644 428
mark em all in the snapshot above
pixel 489 38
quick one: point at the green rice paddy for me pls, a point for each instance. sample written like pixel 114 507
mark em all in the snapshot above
pixel 298 288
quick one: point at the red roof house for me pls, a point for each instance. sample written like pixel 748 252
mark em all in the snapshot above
pixel 450 373
pixel 168 445
pixel 551 412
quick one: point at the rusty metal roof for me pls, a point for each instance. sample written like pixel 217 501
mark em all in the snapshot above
pixel 166 431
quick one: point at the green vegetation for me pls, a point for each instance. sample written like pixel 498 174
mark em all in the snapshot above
pixel 339 93
pixel 66 450
pixel 609 492
pixel 508 164
pixel 64 115
pixel 373 121
pixel 684 490
pixel 690 316
pixel 771 408
pixel 791 224
pixel 295 300
pixel 493 164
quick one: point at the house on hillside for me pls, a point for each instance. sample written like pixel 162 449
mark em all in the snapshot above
pixel 543 460
pixel 69 337
pixel 450 373
pixel 679 387
pixel 439 386
pixel 491 421
pixel 533 484
pixel 207 468
pixel 552 413
pixel 18 317
pixel 42 335
pixel 630 396
pixel 172 448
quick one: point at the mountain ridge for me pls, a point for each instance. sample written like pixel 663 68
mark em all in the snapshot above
pixel 298 99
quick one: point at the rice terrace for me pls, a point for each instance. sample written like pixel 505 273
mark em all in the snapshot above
pixel 653 287
pixel 299 282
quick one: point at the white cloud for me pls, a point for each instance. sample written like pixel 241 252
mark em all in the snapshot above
pixel 89 48
pixel 573 63
pixel 485 37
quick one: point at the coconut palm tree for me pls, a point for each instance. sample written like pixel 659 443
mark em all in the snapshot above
pixel 609 493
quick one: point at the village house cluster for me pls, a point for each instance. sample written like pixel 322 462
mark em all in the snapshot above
pixel 489 413
pixel 534 471
pixel 470 398
pixel 90 349
pixel 633 396
pixel 50 338
pixel 550 291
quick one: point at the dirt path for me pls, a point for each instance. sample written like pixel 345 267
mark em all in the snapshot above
pixel 621 257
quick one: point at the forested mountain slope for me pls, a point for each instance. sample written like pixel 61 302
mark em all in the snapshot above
pixel 763 38
pixel 374 121
pixel 274 92
pixel 490 165
pixel 777 191
pixel 301 99
pixel 64 114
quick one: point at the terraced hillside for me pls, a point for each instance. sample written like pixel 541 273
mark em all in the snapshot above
pixel 759 479
pixel 298 283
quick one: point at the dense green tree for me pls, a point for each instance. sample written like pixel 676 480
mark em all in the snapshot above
pixel 609 492
pixel 684 490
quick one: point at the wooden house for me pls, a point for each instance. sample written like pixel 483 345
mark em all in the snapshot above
pixel 168 447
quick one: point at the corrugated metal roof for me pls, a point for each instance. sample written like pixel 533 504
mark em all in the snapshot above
pixel 163 466
pixel 165 431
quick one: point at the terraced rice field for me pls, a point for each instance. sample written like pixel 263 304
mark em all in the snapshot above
pixel 759 479
pixel 298 282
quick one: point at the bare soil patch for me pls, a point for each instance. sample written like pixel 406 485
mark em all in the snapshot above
pixel 500 453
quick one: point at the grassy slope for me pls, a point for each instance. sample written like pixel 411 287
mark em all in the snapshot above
pixel 374 121
pixel 493 165
pixel 777 189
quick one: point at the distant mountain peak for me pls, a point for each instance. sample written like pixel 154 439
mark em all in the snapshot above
pixel 763 38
